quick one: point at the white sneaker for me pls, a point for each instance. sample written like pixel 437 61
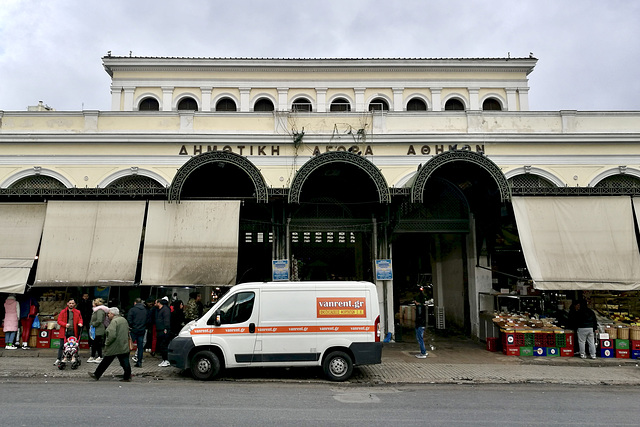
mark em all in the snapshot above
pixel 422 356
pixel 91 360
pixel 134 358
pixel 56 362
pixel 164 364
pixel 97 360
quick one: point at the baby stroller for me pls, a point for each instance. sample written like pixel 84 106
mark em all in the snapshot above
pixel 70 354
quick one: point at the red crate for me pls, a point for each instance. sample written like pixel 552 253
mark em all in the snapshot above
pixel 566 352
pixel 512 351
pixel 569 339
pixel 84 345
pixel 635 345
pixel 492 344
pixel 606 343
pixel 623 354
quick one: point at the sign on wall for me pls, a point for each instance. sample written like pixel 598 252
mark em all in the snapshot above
pixel 280 269
pixel 383 269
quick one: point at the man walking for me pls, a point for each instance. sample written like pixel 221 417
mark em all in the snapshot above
pixel 116 345
pixel 137 318
pixel 70 321
pixel 163 327
pixel 421 323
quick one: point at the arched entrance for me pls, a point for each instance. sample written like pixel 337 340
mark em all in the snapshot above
pixel 335 201
pixel 444 230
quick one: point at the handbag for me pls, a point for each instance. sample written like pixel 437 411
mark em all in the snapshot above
pixel 131 347
pixel 92 332
pixel 36 323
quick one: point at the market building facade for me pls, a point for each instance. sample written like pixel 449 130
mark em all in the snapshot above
pixel 211 172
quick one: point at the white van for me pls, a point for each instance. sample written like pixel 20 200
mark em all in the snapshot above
pixel 335 325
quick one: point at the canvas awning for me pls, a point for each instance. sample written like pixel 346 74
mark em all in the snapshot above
pixel 20 231
pixel 191 243
pixel 90 243
pixel 579 243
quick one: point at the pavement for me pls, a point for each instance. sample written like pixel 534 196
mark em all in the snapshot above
pixel 455 360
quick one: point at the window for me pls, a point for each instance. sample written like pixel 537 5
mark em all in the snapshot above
pixel 416 104
pixel 226 104
pixel 188 104
pixel 491 104
pixel 263 104
pixel 454 104
pixel 301 104
pixel 378 104
pixel 340 104
pixel 149 104
pixel 236 309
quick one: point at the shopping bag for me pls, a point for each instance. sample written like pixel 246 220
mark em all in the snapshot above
pixel 131 347
pixel 92 332
pixel 36 322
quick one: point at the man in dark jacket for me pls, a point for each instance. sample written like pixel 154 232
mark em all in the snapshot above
pixel 116 345
pixel 421 322
pixel 137 318
pixel 584 321
pixel 163 327
pixel 85 305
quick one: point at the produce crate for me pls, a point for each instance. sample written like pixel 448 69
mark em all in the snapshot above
pixel 553 352
pixel 607 352
pixel 623 354
pixel 526 351
pixel 539 351
pixel 566 352
pixel 622 344
pixel 606 343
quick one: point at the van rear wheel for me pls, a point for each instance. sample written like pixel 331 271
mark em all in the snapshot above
pixel 338 366
pixel 205 365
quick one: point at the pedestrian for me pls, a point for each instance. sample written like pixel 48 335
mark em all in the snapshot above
pixel 191 309
pixel 177 317
pixel 99 321
pixel 421 322
pixel 137 318
pixel 116 345
pixel 29 309
pixel 70 321
pixel 163 327
pixel 85 305
pixel 10 322
pixel 584 321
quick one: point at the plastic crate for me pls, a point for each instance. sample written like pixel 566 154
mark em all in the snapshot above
pixel 539 351
pixel 526 351
pixel 553 352
pixel 606 343
pixel 561 340
pixel 529 339
pixel 493 344
pixel 634 345
pixel 512 351
pixel 622 344
pixel 607 352
pixel 623 354
pixel 55 342
pixel 635 354
pixel 566 352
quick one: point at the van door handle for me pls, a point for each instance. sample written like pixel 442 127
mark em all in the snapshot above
pixel 252 328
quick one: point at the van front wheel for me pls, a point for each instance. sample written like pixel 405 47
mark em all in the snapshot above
pixel 338 366
pixel 205 366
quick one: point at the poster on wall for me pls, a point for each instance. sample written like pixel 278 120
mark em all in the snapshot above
pixel 280 269
pixel 383 269
pixel 101 292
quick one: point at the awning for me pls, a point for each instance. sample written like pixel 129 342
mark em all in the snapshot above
pixel 90 243
pixel 20 232
pixel 579 243
pixel 191 243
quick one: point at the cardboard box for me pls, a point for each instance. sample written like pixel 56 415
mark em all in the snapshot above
pixel 607 352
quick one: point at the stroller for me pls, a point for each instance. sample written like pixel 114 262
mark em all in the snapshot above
pixel 70 354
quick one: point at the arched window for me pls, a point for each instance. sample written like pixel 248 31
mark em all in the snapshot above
pixel 263 104
pixel 340 104
pixel 491 104
pixel 454 104
pixel 301 104
pixel 226 104
pixel 530 181
pixel 378 104
pixel 37 182
pixel 416 104
pixel 135 181
pixel 149 104
pixel 188 104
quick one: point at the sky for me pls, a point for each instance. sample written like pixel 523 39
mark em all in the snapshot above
pixel 588 51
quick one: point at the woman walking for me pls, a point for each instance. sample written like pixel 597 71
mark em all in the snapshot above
pixel 98 317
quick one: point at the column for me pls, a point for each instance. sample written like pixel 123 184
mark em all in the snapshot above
pixel 474 102
pixel 116 96
pixel 244 98
pixel 398 99
pixel 167 98
pixel 321 99
pixel 128 98
pixel 512 100
pixel 359 92
pixel 523 93
pixel 436 99
pixel 283 99
pixel 206 97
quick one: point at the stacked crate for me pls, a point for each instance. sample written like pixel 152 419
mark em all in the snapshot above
pixel 537 343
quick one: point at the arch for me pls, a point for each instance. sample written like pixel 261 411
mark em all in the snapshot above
pixel 455 97
pixel 379 102
pixel 302 104
pixel 218 157
pixel 417 190
pixel 384 196
pixel 224 96
pixel 620 170
pixel 416 97
pixel 535 171
pixel 185 97
pixel 340 103
pixel 148 98
pixel 262 98
pixel 35 172
pixel 131 172
pixel 495 97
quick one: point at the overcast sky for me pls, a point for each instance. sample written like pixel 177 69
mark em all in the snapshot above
pixel 588 51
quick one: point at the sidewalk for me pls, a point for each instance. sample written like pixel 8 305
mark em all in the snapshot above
pixel 455 360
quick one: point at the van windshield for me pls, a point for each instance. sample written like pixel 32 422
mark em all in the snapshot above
pixel 236 309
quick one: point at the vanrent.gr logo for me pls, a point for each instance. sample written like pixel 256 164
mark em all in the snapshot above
pixel 341 307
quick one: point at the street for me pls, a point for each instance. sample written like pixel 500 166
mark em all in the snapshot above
pixel 27 402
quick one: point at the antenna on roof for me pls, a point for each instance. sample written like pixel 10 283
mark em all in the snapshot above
pixel 130 53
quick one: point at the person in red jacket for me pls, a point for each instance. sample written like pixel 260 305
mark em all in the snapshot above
pixel 70 321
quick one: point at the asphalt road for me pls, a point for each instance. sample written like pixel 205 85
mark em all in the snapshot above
pixel 170 403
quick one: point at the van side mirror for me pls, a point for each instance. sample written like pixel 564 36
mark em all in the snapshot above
pixel 217 320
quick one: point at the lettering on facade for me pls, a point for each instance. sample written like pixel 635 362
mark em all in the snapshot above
pixel 274 150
